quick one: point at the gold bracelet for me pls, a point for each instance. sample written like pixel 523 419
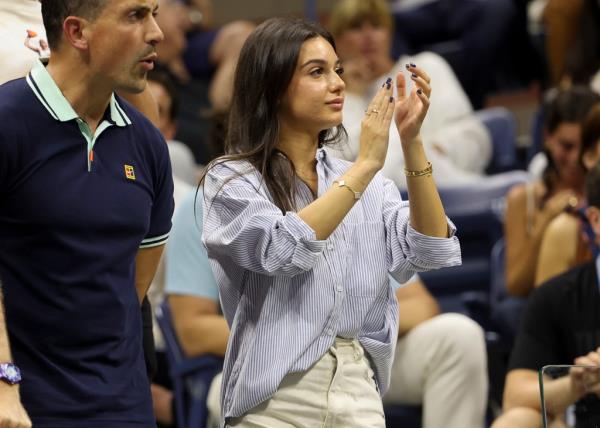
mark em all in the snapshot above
pixel 428 170
pixel 342 183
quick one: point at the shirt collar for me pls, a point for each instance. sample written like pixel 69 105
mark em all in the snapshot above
pixel 51 97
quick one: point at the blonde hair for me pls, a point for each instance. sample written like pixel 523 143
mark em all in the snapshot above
pixel 347 14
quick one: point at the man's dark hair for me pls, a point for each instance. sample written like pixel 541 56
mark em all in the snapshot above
pixel 592 186
pixel 54 13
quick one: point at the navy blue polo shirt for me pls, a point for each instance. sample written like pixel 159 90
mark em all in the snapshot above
pixel 75 208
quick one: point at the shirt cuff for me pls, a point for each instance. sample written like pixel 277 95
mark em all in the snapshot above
pixel 308 249
pixel 433 253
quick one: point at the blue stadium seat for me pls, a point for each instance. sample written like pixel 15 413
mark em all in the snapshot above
pixel 191 376
pixel 505 310
pixel 502 126
pixel 404 416
pixel 477 212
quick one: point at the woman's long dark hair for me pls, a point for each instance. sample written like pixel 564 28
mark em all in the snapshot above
pixel 265 69
pixel 565 106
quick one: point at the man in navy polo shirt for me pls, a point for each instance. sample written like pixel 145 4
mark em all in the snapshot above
pixel 85 209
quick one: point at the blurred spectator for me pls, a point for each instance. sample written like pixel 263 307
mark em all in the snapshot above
pixel 213 51
pixel 560 326
pixel 566 242
pixel 165 93
pixel 456 142
pixel 561 19
pixel 478 28
pixel 531 207
pixel 23 37
pixel 202 59
pixel 185 175
pixel 193 48
pixel 526 59
pixel 440 360
pixel 583 64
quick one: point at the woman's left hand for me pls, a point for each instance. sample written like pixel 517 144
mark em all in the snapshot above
pixel 411 108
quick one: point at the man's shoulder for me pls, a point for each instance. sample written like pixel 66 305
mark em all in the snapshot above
pixel 572 281
pixel 19 110
pixel 15 95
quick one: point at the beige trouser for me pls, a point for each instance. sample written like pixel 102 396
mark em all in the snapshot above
pixel 441 364
pixel 337 391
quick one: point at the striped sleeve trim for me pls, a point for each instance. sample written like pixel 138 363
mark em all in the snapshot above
pixel 154 241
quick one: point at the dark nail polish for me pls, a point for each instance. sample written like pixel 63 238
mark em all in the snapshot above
pixel 389 80
pixel 414 75
pixel 419 91
pixel 413 65
pixel 391 99
pixel 407 66
pixel 389 85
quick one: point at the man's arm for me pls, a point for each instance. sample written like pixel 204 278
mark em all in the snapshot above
pixel 12 413
pixel 416 305
pixel 522 390
pixel 200 329
pixel 146 262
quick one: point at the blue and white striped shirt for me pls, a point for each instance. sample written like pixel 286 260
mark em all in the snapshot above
pixel 287 295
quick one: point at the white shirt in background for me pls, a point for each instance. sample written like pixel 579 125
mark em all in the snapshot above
pixel 456 142
pixel 22 37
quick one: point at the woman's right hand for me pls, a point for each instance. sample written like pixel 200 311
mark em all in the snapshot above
pixel 559 203
pixel 375 128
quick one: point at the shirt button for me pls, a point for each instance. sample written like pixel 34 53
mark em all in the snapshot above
pixel 329 245
pixel 330 331
pixel 339 288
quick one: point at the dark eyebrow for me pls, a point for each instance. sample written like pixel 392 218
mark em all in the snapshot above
pixel 321 62
pixel 143 8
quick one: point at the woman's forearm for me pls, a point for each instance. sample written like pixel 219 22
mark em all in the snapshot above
pixel 427 214
pixel 327 212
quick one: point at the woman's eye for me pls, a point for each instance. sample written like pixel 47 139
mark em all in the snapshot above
pixel 316 72
pixel 339 70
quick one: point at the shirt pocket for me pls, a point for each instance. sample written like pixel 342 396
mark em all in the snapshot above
pixel 366 269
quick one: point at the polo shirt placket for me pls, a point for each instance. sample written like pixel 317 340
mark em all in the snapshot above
pixel 49 94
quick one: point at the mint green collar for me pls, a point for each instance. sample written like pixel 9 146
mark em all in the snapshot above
pixel 50 95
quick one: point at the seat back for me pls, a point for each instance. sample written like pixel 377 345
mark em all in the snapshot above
pixel 477 210
pixel 502 126
pixel 191 377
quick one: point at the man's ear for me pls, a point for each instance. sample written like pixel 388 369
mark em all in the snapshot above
pixel 74 31
pixel 593 216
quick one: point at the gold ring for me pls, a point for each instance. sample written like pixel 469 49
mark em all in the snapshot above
pixel 573 202
pixel 374 110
